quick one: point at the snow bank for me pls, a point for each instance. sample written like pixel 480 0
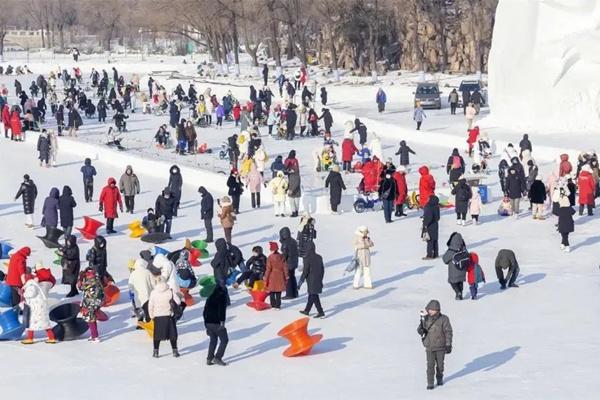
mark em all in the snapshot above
pixel 543 65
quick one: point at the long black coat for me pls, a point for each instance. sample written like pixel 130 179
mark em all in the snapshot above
pixel 515 186
pixel 28 192
pixel 75 120
pixel 313 271
pixel 335 183
pixel 463 194
pixel 431 217
pixel 206 205
pixel 221 262
pixel 289 248
pixel 388 185
pixel 70 262
pixel 306 236
pixel 235 186
pixel 537 192
pixel 66 204
pixel 565 220
pixel 175 182
pixel 164 206
pixel 404 152
pixel 43 146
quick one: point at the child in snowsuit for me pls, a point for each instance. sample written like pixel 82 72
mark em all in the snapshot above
pixel 474 274
pixel 475 206
pixel 36 303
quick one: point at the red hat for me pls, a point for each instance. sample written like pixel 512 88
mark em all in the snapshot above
pixel 234 170
pixel 273 246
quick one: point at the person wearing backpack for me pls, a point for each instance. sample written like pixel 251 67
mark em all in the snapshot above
pixel 436 334
pixel 475 274
pixel 457 258
pixel 462 194
pixel 455 167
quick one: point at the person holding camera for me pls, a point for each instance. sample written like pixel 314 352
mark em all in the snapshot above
pixel 436 334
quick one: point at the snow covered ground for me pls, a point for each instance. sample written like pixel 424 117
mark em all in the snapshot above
pixel 537 341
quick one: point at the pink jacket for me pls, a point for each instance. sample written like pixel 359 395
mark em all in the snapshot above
pixel 475 204
pixel 254 180
pixel 159 304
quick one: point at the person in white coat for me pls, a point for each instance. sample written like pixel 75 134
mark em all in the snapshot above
pixel 279 187
pixel 167 272
pixel 362 247
pixel 260 158
pixel 141 284
pixel 36 312
pixel 470 113
pixel 509 153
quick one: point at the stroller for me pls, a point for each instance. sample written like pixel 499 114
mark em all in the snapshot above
pixel 224 152
pixel 367 201
pixel 481 157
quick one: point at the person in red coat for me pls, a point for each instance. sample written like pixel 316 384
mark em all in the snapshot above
pixel 15 125
pixel 6 119
pixel 370 177
pixel 472 139
pixel 16 276
pixel 237 112
pixel 475 274
pixel 426 185
pixel 565 166
pixel 348 151
pixel 109 199
pixel 276 275
pixel 587 190
pixel 402 190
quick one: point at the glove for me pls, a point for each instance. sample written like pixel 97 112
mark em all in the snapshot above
pixel 101 208
pixel 448 349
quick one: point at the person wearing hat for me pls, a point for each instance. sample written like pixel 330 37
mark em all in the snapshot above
pixel 206 212
pixel 215 314
pixel 312 272
pixel 110 197
pixel 436 334
pixel 566 224
pixel 141 284
pixel 276 275
pixel 175 184
pixel 227 217
pixel 388 191
pixel 402 190
pixel 462 194
pixel 587 190
pixel 28 192
pixel 90 283
pixel 36 300
pixel 165 207
pixel 336 185
pixel 362 248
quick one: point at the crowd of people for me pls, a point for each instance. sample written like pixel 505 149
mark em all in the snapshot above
pixel 158 283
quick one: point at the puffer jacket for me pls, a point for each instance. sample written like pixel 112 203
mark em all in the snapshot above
pixel 159 303
pixel 129 183
pixel 140 282
pixel 438 332
pixel 455 245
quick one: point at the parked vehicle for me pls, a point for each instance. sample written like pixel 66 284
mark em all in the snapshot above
pixel 428 95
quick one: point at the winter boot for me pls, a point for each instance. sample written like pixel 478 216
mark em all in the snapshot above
pixel 304 312
pixel 567 249
pixel 176 353
pixel 320 316
pixel 51 341
pixel 27 341
pixel 155 353
pixel 430 387
pixel 209 361
pixel 220 362
pixel 440 380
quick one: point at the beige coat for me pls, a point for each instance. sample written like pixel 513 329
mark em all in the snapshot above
pixel 279 186
pixel 362 247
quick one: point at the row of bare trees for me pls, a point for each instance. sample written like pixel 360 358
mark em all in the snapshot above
pixel 366 36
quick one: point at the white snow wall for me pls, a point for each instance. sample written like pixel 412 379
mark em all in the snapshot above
pixel 544 66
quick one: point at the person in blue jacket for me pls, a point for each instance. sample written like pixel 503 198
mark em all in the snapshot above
pixel 88 171
pixel 381 99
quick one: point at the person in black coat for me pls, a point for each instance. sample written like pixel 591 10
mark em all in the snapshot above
pixel 462 194
pixel 335 183
pixel 222 263
pixel 289 250
pixel 74 122
pixel 388 191
pixel 60 119
pixel 313 272
pixel 101 108
pixel 404 152
pixel 456 276
pixel 174 114
pixel 515 187
pixel 28 192
pixel 235 188
pixel 255 268
pixel 537 196
pixel 455 167
pixel 207 212
pixel 502 174
pixel 306 234
pixel 265 74
pixel 253 94
pixel 66 204
pixel 306 96
pixel 466 98
pixel 361 129
pixel 565 222
pixel 97 259
pixel 323 96
pixel 327 119
pixel 165 207
pixel 215 313
pixel 71 264
pixel 290 122
pixel 174 185
pixel 430 229
pixel 525 144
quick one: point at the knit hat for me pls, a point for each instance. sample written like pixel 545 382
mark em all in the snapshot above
pixel 433 305
pixel 362 230
pixel 234 171
pixel 401 168
pixel 273 246
pixel 26 177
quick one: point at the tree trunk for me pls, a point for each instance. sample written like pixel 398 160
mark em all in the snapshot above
pixel 334 55
pixel 236 44
pixel 2 36
pixel 61 36
pixel 275 50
